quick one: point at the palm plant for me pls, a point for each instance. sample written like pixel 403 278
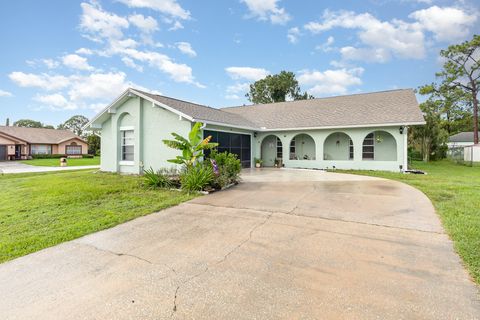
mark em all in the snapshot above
pixel 192 148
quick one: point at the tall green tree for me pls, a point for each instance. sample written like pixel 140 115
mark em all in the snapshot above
pixel 276 88
pixel 75 124
pixel 431 137
pixel 454 110
pixel 27 123
pixel 461 70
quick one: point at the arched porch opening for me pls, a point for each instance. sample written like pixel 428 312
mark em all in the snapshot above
pixel 271 151
pixel 302 147
pixel 338 146
pixel 379 146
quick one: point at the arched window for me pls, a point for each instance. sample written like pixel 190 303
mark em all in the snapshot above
pixel 302 147
pixel 338 146
pixel 379 146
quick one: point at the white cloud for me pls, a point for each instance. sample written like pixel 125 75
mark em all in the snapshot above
pixel 100 24
pixel 4 93
pixel 330 82
pixel 168 7
pixel 74 91
pixel 399 38
pixel 104 86
pixel 247 73
pixel 327 46
pixel 238 88
pixel 447 24
pixel 267 10
pixel 43 81
pixel 232 97
pixel 379 55
pixel 50 63
pixel 84 51
pixel 384 39
pixel 130 63
pixel 108 28
pixel 177 71
pixel 145 24
pixel 55 101
pixel 74 61
pixel 186 48
pixel 293 34
pixel 177 25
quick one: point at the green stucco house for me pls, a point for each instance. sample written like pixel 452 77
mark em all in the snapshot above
pixel 359 131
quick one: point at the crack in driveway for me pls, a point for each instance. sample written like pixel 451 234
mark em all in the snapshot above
pixel 225 257
pixel 118 254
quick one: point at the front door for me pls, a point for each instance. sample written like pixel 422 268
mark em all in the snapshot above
pixel 18 151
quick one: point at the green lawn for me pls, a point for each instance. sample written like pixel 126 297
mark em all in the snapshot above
pixel 43 209
pixel 56 162
pixel 455 192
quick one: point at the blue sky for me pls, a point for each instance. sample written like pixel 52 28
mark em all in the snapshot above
pixel 61 58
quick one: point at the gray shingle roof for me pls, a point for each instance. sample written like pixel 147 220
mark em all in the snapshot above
pixel 395 106
pixel 39 135
pixel 462 137
pixel 377 108
pixel 201 112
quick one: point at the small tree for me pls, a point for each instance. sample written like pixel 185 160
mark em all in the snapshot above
pixel 276 88
pixel 93 144
pixel 27 123
pixel 462 70
pixel 192 148
pixel 75 124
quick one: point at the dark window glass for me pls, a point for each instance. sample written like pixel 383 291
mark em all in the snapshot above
pixel 239 144
pixel 235 140
pixel 224 139
pixel 245 155
pixel 245 141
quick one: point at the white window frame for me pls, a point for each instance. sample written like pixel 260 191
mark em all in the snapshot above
pixel 34 148
pixel 123 131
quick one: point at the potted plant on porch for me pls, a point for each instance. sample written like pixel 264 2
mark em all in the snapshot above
pixel 258 162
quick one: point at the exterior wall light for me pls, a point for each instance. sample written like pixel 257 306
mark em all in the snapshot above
pixel 401 129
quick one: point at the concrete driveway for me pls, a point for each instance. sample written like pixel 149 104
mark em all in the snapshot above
pixel 284 244
pixel 18 167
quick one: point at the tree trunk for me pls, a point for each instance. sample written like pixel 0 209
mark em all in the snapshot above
pixel 475 112
pixel 426 149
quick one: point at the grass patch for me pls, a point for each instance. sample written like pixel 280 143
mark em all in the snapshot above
pixel 43 209
pixel 455 192
pixel 56 162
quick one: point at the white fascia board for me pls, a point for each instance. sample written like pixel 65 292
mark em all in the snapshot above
pixel 225 124
pixel 311 128
pixel 346 126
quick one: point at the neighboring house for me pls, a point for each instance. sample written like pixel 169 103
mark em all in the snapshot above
pixel 360 131
pixel 461 139
pixel 20 143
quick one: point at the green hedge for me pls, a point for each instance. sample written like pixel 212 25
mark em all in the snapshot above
pixel 57 156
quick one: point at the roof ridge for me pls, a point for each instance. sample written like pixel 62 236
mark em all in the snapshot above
pixel 321 98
